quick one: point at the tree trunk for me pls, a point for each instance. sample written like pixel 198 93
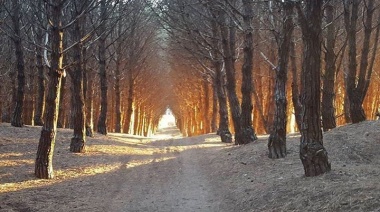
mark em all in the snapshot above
pixel 229 64
pixel 128 115
pixel 358 83
pixel 247 132
pixel 277 138
pixel 214 115
pixel 312 153
pixel 118 124
pixel 18 109
pixel 102 121
pixel 40 104
pixel 62 114
pixel 206 119
pixel 44 160
pixel 328 95
pixel 295 91
pixel 79 138
pixel 88 93
pixel 218 84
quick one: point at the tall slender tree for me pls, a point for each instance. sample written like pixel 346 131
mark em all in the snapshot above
pixel 44 160
pixel 312 153
pixel 17 119
pixel 277 138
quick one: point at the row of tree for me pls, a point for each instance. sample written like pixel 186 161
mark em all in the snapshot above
pixel 328 48
pixel 81 64
pixel 220 65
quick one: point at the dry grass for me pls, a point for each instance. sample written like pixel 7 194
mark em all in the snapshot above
pixel 257 183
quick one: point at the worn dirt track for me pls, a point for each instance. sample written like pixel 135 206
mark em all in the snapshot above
pixel 175 179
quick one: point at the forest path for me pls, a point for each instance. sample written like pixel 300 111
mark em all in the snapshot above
pixel 175 178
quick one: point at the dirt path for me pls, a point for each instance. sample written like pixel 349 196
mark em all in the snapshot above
pixel 174 180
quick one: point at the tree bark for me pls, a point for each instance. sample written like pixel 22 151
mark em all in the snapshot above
pixel 357 81
pixel 295 90
pixel 218 83
pixel 40 104
pixel 88 93
pixel 277 138
pixel 214 115
pixel 206 119
pixel 44 160
pixel 312 153
pixel 227 36
pixel 102 121
pixel 62 114
pixel 328 94
pixel 79 137
pixel 247 132
pixel 17 120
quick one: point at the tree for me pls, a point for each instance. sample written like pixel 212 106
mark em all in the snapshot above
pixel 17 40
pixel 277 138
pixel 44 160
pixel 102 121
pixel 312 153
pixel 358 81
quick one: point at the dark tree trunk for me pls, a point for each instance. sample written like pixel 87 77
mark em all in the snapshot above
pixel 102 121
pixel 312 153
pixel 295 91
pixel 358 81
pixel 229 64
pixel 118 124
pixel 218 84
pixel 44 160
pixel 247 132
pixel 62 114
pixel 18 109
pixel 328 94
pixel 78 111
pixel 40 104
pixel 277 138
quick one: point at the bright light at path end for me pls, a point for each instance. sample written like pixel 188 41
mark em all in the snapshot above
pixel 167 120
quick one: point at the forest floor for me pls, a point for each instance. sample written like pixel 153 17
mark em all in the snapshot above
pixel 169 173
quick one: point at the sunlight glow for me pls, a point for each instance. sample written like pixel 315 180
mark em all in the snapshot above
pixel 167 120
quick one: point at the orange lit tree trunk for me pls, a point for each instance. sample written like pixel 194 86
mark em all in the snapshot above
pixel 44 160
pixel 277 138
pixel 312 153
pixel 17 120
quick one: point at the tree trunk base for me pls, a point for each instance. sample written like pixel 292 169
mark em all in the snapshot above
pixel 77 145
pixel 246 136
pixel 276 147
pixel 102 130
pixel 89 131
pixel 38 122
pixel 314 159
pixel 225 136
pixel 42 171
